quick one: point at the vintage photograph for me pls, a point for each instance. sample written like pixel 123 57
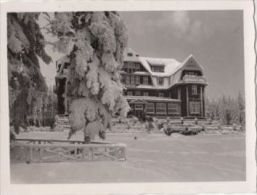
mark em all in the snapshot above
pixel 126 96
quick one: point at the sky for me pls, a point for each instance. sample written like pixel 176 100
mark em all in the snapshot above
pixel 215 38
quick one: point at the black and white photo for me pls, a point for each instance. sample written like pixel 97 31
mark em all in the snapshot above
pixel 129 97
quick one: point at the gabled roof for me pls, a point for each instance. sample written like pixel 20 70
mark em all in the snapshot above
pixel 171 66
pixel 190 59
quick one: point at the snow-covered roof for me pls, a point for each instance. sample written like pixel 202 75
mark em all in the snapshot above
pixel 192 58
pixel 171 68
pixel 170 65
pixel 141 73
pixel 130 55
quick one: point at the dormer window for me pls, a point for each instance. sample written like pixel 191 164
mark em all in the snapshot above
pixel 158 68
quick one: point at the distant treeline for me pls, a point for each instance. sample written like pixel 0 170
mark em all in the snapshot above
pixel 40 112
pixel 226 109
pixel 43 110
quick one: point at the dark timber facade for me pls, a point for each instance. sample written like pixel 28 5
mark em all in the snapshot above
pixel 164 87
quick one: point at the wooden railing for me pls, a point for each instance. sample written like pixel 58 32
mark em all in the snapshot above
pixel 194 79
pixel 38 150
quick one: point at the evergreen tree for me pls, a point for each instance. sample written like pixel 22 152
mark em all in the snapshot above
pixel 25 45
pixel 228 110
pixel 94 43
pixel 241 109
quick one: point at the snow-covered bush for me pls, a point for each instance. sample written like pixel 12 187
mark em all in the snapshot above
pixel 94 43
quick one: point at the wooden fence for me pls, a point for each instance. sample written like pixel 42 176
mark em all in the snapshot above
pixel 38 150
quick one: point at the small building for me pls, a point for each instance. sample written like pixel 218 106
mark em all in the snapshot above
pixel 164 86
pixel 153 86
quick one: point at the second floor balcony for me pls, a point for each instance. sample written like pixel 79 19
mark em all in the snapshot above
pixel 194 79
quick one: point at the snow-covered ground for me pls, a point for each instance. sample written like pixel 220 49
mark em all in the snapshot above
pixel 150 158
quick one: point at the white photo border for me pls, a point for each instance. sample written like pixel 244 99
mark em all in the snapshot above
pixel 133 188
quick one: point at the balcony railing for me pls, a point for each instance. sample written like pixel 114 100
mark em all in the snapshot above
pixel 194 79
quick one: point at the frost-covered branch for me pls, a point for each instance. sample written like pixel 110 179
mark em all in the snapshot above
pixel 94 43
pixel 25 45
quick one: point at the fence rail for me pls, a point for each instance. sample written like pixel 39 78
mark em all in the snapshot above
pixel 29 150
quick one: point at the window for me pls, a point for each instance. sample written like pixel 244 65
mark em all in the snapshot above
pixel 137 93
pixel 137 66
pixel 145 80
pixel 157 68
pixel 132 81
pixel 132 65
pixel 127 80
pixel 173 108
pixel 194 107
pixel 150 108
pixel 160 108
pixel 129 67
pixel 137 78
pixel 194 90
pixel 160 81
pixel 146 93
pixel 191 73
pixel 125 64
pixel 130 93
pixel 138 106
pixel 130 54
pixel 123 78
pixel 160 94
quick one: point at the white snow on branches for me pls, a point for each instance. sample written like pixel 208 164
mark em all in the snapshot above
pixel 17 40
pixel 97 41
pixel 92 76
pixel 93 129
pixel 109 62
pixel 77 116
pixel 105 35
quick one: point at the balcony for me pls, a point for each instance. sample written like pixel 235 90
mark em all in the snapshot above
pixel 194 79
pixel 131 99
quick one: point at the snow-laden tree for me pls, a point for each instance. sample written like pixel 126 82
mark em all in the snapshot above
pixel 227 109
pixel 241 108
pixel 94 43
pixel 25 45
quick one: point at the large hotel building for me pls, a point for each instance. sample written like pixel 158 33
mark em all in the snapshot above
pixel 164 87
pixel 157 86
